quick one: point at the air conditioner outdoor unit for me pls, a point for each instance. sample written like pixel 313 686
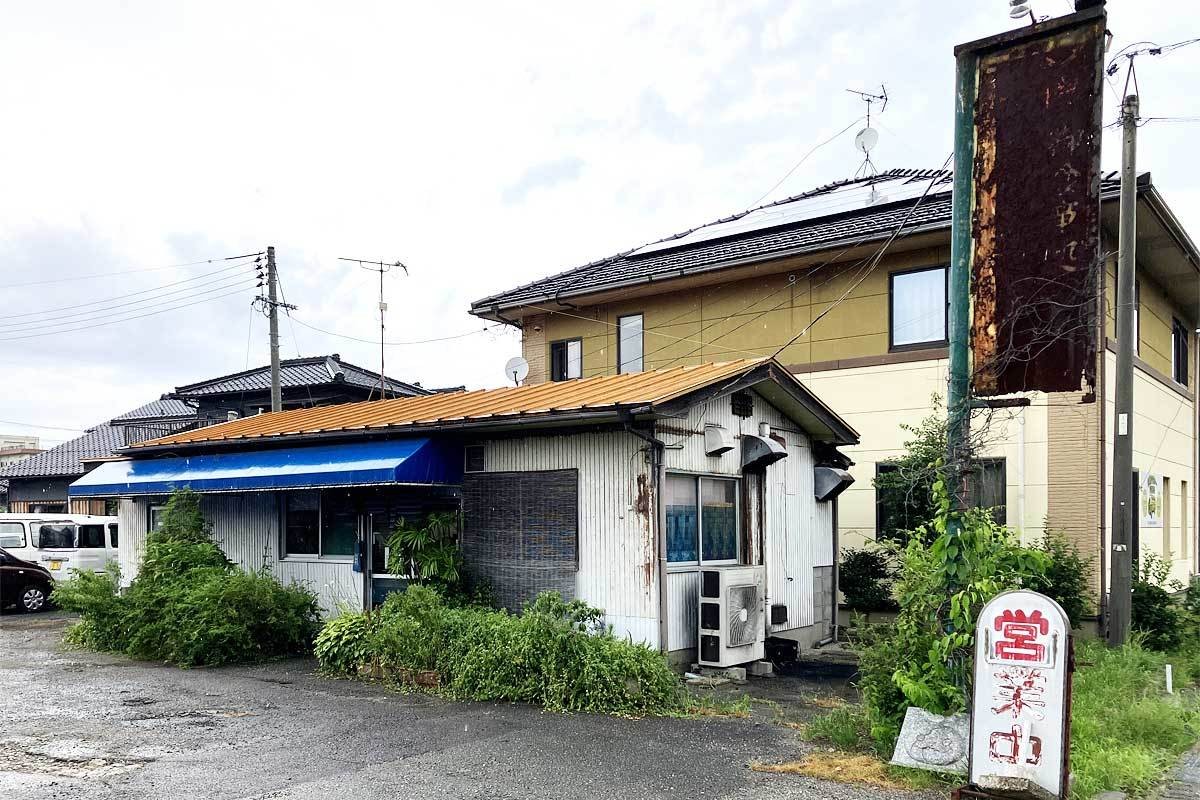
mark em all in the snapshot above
pixel 732 629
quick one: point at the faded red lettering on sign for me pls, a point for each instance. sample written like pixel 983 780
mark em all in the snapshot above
pixel 1023 637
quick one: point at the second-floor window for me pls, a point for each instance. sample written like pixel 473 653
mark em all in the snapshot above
pixel 1179 352
pixel 566 360
pixel 918 308
pixel 629 343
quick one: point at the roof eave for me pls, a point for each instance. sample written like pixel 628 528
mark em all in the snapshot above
pixel 491 311
pixel 549 420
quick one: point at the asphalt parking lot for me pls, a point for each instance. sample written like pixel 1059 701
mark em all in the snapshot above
pixel 81 725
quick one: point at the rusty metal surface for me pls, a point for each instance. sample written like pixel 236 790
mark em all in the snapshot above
pixel 1036 226
pixel 589 394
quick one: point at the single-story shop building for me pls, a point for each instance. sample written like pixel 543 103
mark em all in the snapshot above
pixel 630 492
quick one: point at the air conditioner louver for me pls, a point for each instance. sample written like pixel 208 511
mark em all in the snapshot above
pixel 743 615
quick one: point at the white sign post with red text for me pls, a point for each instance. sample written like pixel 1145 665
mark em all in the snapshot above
pixel 1020 713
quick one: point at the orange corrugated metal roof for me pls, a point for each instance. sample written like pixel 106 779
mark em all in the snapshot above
pixel 588 394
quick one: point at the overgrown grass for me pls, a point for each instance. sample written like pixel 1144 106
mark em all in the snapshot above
pixel 1126 732
pixel 188 604
pixel 555 654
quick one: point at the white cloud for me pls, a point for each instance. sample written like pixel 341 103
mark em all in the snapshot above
pixel 151 133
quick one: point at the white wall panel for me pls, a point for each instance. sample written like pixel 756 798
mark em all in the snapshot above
pixel 246 526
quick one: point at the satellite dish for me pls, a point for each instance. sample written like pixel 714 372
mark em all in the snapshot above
pixel 516 369
pixel 866 139
pixel 1018 8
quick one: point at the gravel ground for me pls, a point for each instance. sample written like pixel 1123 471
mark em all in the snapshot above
pixel 81 725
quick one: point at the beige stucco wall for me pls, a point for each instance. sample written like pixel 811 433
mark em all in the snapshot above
pixel 878 400
pixel 746 318
pixel 1164 443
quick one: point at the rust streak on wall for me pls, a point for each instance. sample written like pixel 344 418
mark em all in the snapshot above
pixel 643 507
pixel 1036 225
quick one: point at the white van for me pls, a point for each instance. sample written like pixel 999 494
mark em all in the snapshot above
pixel 61 542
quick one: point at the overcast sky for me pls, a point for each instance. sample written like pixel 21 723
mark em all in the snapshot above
pixel 483 144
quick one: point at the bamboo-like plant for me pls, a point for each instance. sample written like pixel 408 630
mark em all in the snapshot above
pixel 427 552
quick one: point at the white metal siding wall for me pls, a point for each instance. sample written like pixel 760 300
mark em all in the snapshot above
pixel 131 515
pixel 617 556
pixel 798 532
pixel 246 526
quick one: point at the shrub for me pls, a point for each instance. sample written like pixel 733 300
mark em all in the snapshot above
pixel 1153 611
pixel 865 577
pixel 428 552
pixel 925 660
pixel 1067 577
pixel 557 654
pixel 189 604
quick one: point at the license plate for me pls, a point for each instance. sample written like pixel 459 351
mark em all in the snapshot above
pixel 55 564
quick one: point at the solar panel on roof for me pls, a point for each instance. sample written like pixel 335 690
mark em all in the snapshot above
pixel 888 189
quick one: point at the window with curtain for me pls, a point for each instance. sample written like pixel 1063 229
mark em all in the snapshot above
pixel 629 343
pixel 702 519
pixel 682 519
pixel 918 307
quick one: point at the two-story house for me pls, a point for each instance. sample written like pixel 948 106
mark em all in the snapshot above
pixel 812 280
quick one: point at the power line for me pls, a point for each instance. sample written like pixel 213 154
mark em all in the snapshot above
pixel 46 427
pixel 804 158
pixel 157 295
pixel 874 262
pixel 127 272
pixel 397 344
pixel 127 319
pixel 92 316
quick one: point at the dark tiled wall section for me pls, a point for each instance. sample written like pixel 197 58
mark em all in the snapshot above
pixel 521 532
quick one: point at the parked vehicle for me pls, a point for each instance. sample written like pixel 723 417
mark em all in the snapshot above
pixel 61 542
pixel 24 584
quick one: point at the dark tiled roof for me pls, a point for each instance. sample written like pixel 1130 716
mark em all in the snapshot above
pixel 812 232
pixel 66 459
pixel 158 409
pixel 297 373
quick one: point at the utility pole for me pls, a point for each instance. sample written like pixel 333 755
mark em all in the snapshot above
pixel 273 315
pixel 1122 492
pixel 270 306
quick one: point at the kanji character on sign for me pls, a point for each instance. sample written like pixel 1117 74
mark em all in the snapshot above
pixel 1022 635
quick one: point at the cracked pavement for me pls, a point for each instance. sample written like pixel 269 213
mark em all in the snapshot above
pixel 76 724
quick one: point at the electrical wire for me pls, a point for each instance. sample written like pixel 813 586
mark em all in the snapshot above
pixel 47 427
pixel 158 295
pixel 127 272
pixel 116 321
pixel 36 325
pixel 484 329
pixel 874 263
pixel 804 158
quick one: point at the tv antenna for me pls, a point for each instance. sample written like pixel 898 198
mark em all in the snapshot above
pixel 868 137
pixel 382 268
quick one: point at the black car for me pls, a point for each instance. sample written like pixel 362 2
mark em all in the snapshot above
pixel 24 584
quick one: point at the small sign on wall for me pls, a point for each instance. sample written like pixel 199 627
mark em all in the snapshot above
pixel 1151 500
pixel 1021 711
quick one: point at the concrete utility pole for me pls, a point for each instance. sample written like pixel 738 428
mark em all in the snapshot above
pixel 273 315
pixel 1124 502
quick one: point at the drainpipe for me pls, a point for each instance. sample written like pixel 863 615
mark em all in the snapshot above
pixel 658 470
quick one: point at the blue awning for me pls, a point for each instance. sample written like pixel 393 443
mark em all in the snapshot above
pixel 408 461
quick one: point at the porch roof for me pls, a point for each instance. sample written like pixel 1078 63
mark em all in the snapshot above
pixel 392 461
